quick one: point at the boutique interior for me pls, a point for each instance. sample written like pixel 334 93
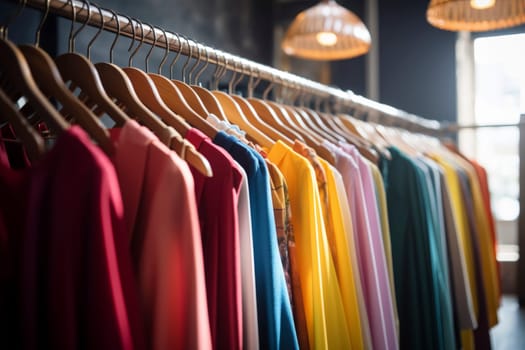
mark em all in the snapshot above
pixel 254 174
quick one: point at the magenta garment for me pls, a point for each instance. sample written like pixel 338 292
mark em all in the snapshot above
pixel 164 233
pixel 217 202
pixel 359 184
pixel 62 218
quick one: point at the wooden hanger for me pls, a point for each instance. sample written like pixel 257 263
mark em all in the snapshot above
pixel 208 99
pixel 33 143
pixel 81 73
pixel 176 101
pixel 365 130
pixel 48 78
pixel 189 94
pixel 305 116
pixel 280 115
pixel 310 140
pixel 316 120
pixel 233 106
pixel 363 145
pixel 120 89
pixel 149 101
pixel 51 84
pixel 18 81
pixel 235 113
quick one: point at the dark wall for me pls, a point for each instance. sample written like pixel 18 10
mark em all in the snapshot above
pixel 351 74
pixel 417 61
pixel 242 27
pixel 417 67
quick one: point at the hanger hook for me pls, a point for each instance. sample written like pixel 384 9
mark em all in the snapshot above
pixel 130 23
pixel 141 25
pixel 88 18
pixel 11 19
pixel 188 60
pixel 176 58
pixel 166 53
pixel 197 62
pixel 100 29
pixel 117 34
pixel 73 21
pixel 257 81
pixel 233 77
pixel 317 101
pixel 198 75
pixel 268 89
pixel 239 79
pixel 41 24
pixel 216 71
pixel 222 72
pixel 154 33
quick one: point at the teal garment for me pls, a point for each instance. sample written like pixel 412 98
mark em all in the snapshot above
pixel 442 288
pixel 414 252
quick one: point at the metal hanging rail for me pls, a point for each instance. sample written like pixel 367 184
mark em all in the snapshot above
pixel 178 43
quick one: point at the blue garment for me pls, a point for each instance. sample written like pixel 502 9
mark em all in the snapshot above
pixel 276 325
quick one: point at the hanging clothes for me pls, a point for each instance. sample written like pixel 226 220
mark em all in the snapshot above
pixel 276 328
pixel 62 226
pixel 165 239
pixel 220 241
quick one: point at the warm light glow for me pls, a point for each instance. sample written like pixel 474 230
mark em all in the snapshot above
pixel 482 4
pixel 326 38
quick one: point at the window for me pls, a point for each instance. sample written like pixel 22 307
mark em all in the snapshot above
pixel 499 98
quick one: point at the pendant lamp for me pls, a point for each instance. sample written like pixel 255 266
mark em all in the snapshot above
pixel 475 15
pixel 326 31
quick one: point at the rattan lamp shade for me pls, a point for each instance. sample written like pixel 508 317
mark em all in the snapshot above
pixel 459 15
pixel 326 31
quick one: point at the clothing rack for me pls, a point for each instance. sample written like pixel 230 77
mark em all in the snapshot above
pixel 154 35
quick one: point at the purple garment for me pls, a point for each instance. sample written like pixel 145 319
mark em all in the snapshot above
pixel 359 185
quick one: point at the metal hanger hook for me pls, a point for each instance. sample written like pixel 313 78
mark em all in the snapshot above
pixel 117 34
pixel 256 82
pixel 238 80
pixel 198 75
pixel 154 33
pixel 232 78
pixel 197 62
pixel 216 71
pixel 176 58
pixel 141 25
pixel 11 19
pixel 268 88
pixel 100 29
pixel 88 18
pixel 188 60
pixel 72 28
pixel 222 72
pixel 130 23
pixel 166 53
pixel 41 24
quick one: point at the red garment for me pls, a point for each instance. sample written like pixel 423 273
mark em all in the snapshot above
pixel 161 212
pixel 217 203
pixel 483 181
pixel 60 217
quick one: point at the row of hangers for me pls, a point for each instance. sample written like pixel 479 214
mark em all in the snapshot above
pixel 84 92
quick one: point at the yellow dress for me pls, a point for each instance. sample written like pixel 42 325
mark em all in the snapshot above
pixel 323 304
